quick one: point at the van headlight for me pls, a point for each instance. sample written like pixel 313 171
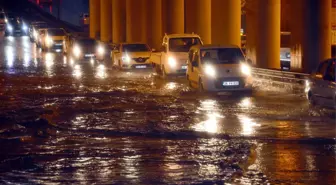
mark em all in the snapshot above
pixel 126 58
pixel 76 51
pixel 210 71
pixel 172 61
pixel 9 27
pixel 49 41
pixel 101 50
pixel 245 69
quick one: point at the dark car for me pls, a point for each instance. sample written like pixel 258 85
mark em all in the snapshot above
pixel 86 49
pixel 15 26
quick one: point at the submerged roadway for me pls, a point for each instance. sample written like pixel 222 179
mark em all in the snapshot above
pixel 83 122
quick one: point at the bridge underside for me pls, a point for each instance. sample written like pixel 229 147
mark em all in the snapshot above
pixel 219 22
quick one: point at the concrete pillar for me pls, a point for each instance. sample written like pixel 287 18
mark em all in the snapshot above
pixel 311 33
pixel 226 22
pixel 198 18
pixel 94 18
pixel 175 16
pixel 118 22
pixel 106 20
pixel 136 21
pixel 297 30
pixel 268 39
pixel 155 32
pixel 251 30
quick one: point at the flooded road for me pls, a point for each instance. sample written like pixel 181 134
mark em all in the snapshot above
pixel 70 122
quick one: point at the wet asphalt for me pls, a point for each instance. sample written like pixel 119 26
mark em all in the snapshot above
pixel 64 122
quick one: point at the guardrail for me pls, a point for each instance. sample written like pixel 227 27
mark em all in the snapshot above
pixel 280 76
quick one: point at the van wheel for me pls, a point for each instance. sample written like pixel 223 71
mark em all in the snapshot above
pixel 119 65
pixel 189 81
pixel 311 98
pixel 157 69
pixel 164 74
pixel 200 85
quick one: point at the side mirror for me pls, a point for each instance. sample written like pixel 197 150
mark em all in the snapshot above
pixel 194 64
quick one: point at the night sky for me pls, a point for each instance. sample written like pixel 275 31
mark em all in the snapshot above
pixel 72 9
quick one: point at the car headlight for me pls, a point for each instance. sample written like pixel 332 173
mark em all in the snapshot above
pixel 101 50
pixel 6 20
pixel 76 51
pixel 245 69
pixel 172 61
pixel 35 34
pixel 9 28
pixel 24 27
pixel 210 71
pixel 126 58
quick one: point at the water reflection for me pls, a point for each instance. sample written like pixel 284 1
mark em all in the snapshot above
pixel 171 86
pixel 210 124
pixel 245 103
pixel 49 63
pixel 26 59
pixel 77 71
pixel 65 60
pixel 101 72
pixel 9 52
pixel 248 125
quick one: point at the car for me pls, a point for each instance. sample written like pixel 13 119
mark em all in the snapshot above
pixel 172 57
pixel 86 49
pixel 214 68
pixel 2 20
pixel 132 56
pixel 33 29
pixel 15 27
pixel 53 39
pixel 321 85
pixel 285 59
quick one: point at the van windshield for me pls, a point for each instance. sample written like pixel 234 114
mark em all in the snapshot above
pixel 135 48
pixel 183 44
pixel 222 56
pixel 56 32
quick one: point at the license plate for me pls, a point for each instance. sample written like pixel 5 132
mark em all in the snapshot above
pixel 141 67
pixel 89 55
pixel 58 44
pixel 232 83
pixel 184 67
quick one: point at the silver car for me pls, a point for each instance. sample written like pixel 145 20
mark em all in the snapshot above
pixel 321 86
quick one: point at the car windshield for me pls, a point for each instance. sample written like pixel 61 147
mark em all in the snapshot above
pixel 222 56
pixel 182 44
pixel 13 22
pixel 135 48
pixel 56 32
pixel 87 42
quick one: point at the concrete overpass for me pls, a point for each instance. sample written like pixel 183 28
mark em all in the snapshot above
pixel 219 22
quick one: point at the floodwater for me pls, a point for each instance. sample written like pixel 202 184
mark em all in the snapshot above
pixel 72 122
